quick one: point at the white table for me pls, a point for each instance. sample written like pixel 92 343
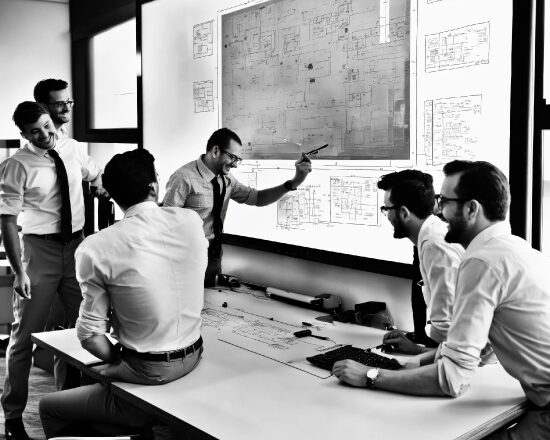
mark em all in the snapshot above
pixel 237 394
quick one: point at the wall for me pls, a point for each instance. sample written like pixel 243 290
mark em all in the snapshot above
pixel 34 44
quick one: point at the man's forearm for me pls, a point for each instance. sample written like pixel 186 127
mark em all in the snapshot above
pixel 10 236
pixel 101 347
pixel 270 195
pixel 422 381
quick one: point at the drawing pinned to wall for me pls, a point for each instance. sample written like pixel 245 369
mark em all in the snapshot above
pixel 203 96
pixel 452 127
pixel 318 71
pixel 203 39
pixel 457 48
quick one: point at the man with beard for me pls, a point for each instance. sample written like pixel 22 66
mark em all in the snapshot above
pixel 43 181
pixel 54 95
pixel 502 296
pixel 205 185
pixel 409 201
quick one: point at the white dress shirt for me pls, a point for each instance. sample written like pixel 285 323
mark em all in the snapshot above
pixel 439 263
pixel 144 276
pixel 28 185
pixel 502 295
pixel 191 187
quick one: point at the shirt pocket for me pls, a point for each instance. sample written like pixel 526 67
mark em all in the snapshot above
pixel 199 201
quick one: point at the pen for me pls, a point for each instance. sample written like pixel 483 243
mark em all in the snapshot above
pixel 316 150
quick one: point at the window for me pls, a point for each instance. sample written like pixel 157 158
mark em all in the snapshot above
pixel 113 72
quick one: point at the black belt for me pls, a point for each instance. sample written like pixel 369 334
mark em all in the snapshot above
pixel 167 355
pixel 57 237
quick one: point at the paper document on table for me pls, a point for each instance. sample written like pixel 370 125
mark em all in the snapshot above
pixel 269 338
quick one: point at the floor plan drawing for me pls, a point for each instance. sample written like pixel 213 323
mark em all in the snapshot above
pixel 463 47
pixel 318 71
pixel 203 39
pixel 203 96
pixel 452 127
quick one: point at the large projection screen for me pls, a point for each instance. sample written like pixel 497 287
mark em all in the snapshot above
pixel 388 84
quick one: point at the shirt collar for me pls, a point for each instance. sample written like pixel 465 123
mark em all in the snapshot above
pixel 35 150
pixel 138 208
pixel 499 229
pixel 204 171
pixel 424 232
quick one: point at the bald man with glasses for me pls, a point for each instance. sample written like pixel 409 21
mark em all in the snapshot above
pixel 206 185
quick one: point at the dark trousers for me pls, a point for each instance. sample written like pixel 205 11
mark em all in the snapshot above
pixel 214 267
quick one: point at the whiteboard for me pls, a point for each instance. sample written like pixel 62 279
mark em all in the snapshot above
pixel 450 102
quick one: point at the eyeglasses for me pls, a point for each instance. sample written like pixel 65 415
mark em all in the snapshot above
pixel 234 158
pixel 384 209
pixel 441 200
pixel 60 104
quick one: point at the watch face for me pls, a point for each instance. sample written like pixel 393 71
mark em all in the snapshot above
pixel 372 373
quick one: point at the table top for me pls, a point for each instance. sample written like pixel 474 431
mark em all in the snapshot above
pixel 252 383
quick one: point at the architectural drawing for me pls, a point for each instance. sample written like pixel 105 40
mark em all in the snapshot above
pixel 451 128
pixel 456 48
pixel 203 96
pixel 203 39
pixel 318 71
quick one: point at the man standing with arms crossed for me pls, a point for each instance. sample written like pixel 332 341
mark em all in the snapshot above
pixel 41 181
pixel 502 297
pixel 206 185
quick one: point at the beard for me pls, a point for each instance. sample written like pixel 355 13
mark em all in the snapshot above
pixel 457 227
pixel 399 230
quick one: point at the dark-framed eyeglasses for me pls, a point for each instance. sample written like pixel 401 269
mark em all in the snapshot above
pixel 234 158
pixel 384 209
pixel 60 104
pixel 442 200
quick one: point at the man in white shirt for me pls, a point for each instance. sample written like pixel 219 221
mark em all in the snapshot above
pixel 409 200
pixel 54 95
pixel 502 296
pixel 42 185
pixel 144 277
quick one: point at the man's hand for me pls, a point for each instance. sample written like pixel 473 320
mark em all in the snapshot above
pixel 351 372
pixel 22 285
pixel 101 192
pixel 303 168
pixel 401 343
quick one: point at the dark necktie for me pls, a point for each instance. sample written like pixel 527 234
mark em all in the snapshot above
pixel 66 216
pixel 219 195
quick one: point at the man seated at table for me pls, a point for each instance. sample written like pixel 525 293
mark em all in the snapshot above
pixel 502 296
pixel 409 200
pixel 144 277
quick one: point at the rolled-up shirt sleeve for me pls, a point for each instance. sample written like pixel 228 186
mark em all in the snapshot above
pixel 95 309
pixel 476 299
pixel 12 178
pixel 90 170
pixel 242 193
pixel 177 190
pixel 442 270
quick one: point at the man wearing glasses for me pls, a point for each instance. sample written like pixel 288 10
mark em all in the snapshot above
pixel 206 185
pixel 54 95
pixel 408 203
pixel 502 297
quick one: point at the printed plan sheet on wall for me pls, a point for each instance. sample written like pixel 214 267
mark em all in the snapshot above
pixel 387 84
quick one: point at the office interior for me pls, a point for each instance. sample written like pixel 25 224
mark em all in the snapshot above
pixel 50 38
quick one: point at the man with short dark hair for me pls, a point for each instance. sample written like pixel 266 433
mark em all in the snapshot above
pixel 206 185
pixel 43 182
pixel 409 200
pixel 54 95
pixel 144 277
pixel 502 297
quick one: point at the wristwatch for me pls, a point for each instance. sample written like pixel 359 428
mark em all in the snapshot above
pixel 288 186
pixel 372 376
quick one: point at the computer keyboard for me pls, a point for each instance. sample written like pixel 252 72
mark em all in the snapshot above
pixel 327 359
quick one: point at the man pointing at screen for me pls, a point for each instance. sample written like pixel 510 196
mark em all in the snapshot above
pixel 206 185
